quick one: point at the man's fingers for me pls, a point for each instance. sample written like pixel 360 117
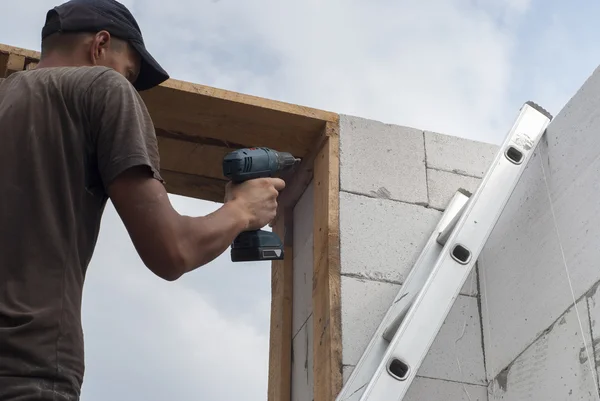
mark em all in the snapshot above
pixel 278 183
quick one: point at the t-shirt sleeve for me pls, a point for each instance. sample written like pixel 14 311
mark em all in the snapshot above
pixel 123 133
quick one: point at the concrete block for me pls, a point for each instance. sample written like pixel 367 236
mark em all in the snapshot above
pixel 442 186
pixel 427 389
pixel 364 304
pixel 381 239
pixel 302 364
pixel 554 368
pixel 458 155
pixel 382 160
pixel 522 262
pixel 457 352
pixel 302 260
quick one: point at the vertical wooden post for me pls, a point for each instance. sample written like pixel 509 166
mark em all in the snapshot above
pixel 280 340
pixel 327 352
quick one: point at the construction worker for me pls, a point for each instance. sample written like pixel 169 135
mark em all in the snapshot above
pixel 74 133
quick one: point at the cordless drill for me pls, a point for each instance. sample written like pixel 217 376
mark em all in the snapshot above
pixel 248 164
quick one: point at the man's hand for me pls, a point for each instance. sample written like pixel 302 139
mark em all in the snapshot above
pixel 256 199
pixel 170 244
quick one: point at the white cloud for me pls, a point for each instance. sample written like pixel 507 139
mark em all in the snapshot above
pixel 420 63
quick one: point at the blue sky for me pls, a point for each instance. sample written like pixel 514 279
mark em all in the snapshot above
pixel 460 67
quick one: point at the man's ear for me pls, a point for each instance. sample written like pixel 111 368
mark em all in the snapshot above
pixel 99 47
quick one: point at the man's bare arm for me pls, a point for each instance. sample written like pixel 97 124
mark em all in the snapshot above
pixel 168 243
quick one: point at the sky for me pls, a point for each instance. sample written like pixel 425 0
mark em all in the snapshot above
pixel 459 67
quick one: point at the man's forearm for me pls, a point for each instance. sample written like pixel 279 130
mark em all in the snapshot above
pixel 205 238
pixel 170 244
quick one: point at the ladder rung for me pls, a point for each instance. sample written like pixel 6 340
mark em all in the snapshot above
pixel 447 230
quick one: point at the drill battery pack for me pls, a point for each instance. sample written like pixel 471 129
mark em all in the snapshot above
pixel 257 245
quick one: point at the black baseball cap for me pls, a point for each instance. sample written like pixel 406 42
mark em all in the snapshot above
pixel 113 17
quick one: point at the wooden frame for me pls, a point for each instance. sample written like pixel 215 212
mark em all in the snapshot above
pixel 326 295
pixel 196 126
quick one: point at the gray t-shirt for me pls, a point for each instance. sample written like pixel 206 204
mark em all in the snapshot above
pixel 65 134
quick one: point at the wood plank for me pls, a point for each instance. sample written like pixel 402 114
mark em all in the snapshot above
pixel 192 158
pixel 249 100
pixel 194 186
pixel 31 54
pixel 280 339
pixel 194 113
pixel 327 352
pixel 14 64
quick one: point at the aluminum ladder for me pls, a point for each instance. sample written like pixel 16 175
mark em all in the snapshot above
pixel 393 356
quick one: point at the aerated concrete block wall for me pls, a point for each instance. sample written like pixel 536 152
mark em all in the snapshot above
pixel 540 269
pixel 395 182
pixel 302 324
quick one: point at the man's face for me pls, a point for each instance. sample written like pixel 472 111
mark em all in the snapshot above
pixel 116 54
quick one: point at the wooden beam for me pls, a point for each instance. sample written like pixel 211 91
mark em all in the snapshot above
pixel 326 296
pixel 192 158
pixel 195 111
pixel 280 338
pixel 14 59
pixel 249 100
pixel 194 186
pixel 30 54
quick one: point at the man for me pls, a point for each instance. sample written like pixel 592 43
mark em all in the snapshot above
pixel 74 132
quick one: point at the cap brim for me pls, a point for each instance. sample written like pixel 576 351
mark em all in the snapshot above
pixel 151 73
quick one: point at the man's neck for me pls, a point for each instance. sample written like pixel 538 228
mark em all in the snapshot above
pixel 62 61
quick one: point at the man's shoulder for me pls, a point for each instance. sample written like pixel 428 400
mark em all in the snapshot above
pixel 74 79
pixel 87 76
pixel 102 82
pixel 104 74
